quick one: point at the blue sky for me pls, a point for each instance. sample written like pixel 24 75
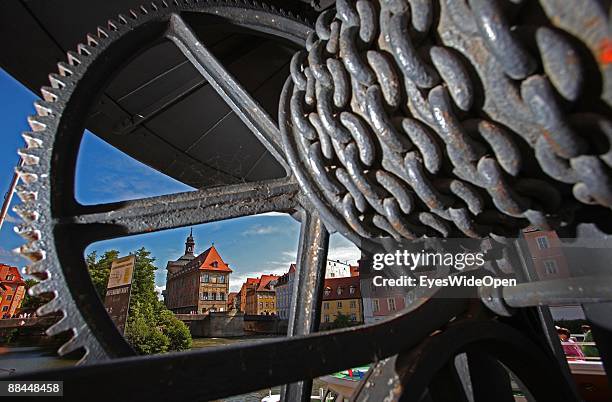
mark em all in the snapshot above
pixel 251 245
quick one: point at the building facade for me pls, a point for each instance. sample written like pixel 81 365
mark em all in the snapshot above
pixel 261 300
pixel 241 302
pixel 337 269
pixel 197 284
pixel 13 290
pixel 342 296
pixel 547 257
pixel 284 290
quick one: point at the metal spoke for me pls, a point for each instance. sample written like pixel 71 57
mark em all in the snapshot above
pixel 305 310
pixel 152 214
pixel 241 102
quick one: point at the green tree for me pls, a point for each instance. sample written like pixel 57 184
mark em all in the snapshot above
pixel 151 327
pixel 33 302
pixel 342 321
pixel 100 269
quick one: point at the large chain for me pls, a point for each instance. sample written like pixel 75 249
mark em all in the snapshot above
pixel 407 136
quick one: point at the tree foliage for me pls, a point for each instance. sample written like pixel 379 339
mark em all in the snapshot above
pixel 342 321
pixel 151 327
pixel 33 302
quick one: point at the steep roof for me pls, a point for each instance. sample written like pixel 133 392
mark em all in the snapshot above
pixel 330 290
pixel 264 282
pixel 209 260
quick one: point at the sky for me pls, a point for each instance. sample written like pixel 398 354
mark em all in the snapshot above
pixel 252 246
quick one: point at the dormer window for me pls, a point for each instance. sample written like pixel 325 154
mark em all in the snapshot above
pixel 340 289
pixel 327 291
pixel 352 289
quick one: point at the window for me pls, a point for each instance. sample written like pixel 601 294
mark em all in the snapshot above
pixel 221 296
pixel 353 317
pixel 542 242
pixel 213 279
pixel 327 291
pixel 352 289
pixel 391 304
pixel 5 308
pixel 204 296
pixel 326 306
pixel 222 279
pixel 353 304
pixel 339 304
pixel 375 305
pixel 9 297
pixel 550 267
pixel 213 296
pixel 10 277
pixel 204 278
pixel 326 318
pixel 214 264
pixel 340 289
pixel 331 275
pixel 260 304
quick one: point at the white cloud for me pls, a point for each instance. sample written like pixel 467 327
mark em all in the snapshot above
pixel 258 230
pixel 348 253
pixel 11 258
pixel 159 290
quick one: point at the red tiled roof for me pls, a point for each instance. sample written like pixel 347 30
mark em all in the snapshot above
pixel 206 261
pixel 292 268
pixel 354 270
pixel 330 290
pixel 264 281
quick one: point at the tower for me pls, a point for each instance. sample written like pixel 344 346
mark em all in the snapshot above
pixel 189 244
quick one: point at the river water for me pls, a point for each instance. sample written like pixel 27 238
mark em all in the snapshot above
pixel 19 359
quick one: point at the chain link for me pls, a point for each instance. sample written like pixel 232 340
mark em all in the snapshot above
pixel 407 136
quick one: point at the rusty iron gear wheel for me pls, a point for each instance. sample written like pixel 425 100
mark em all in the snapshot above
pixel 58 228
pixel 411 119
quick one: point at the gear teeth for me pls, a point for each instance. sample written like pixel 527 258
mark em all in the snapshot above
pixel 31 253
pixel 83 50
pixel 27 232
pixel 154 6
pixel 37 269
pixel 56 81
pixel 27 196
pixel 43 108
pixel 49 94
pixel 53 306
pixel 122 19
pixel 26 215
pixel 73 58
pixel 28 158
pixel 70 346
pixel 144 10
pixel 31 141
pixel 133 14
pixel 25 176
pixel 36 123
pixel 92 41
pixel 112 25
pixel 62 325
pixel 101 33
pixel 42 287
pixel 164 4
